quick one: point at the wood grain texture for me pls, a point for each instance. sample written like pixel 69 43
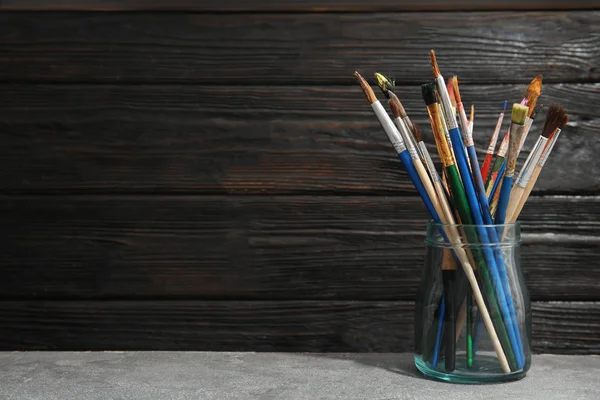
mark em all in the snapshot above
pixel 249 140
pixel 271 48
pixel 386 326
pixel 270 248
pixel 317 6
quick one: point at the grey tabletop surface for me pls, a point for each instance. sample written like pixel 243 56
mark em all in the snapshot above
pixel 266 376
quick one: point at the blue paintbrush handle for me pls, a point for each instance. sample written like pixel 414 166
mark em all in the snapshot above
pixel 490 259
pixel 487 217
pixel 507 184
pixel 483 201
pixel 497 181
pixel 416 180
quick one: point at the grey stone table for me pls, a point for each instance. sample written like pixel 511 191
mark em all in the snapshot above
pixel 266 376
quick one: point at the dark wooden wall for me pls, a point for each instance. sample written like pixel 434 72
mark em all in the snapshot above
pixel 210 177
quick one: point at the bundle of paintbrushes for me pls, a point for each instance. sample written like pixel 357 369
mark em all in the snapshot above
pixel 473 205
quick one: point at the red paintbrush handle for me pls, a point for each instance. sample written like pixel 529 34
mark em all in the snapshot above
pixel 485 168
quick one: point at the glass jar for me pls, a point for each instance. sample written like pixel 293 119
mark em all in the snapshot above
pixel 473 314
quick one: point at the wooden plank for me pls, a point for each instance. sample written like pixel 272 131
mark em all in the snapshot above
pixel 271 48
pixel 292 5
pixel 355 326
pixel 255 247
pixel 242 140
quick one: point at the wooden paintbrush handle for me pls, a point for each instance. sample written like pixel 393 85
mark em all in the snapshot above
pixel 527 192
pixel 515 198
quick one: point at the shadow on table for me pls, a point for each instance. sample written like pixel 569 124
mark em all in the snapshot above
pixel 402 364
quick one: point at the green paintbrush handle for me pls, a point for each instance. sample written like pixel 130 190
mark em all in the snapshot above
pixel 460 200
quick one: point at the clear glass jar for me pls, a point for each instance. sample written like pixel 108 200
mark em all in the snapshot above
pixel 473 314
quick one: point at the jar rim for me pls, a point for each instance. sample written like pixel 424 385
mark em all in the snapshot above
pixel 501 235
pixel 515 225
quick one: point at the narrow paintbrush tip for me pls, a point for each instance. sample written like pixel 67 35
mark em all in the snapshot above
pixel 401 110
pixel 434 64
pixel 455 88
pixel 504 108
pixel 519 113
pixel 395 105
pixel 384 84
pixel 429 93
pixel 472 117
pixel 417 132
pixel 366 88
pixel 536 110
pixel 555 118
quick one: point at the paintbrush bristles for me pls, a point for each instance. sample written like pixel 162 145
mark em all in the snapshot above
pixel 455 89
pixel 534 90
pixel 417 132
pixel 519 113
pixel 472 117
pixel 398 104
pixel 395 105
pixel 366 88
pixel 384 84
pixel 434 64
pixel 429 92
pixel 556 118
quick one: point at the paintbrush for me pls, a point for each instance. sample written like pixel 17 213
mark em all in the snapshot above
pixel 496 166
pixel 519 113
pixel 485 212
pixel 531 96
pixel 398 143
pixel 487 161
pixel 556 119
pixel 495 270
pixel 460 200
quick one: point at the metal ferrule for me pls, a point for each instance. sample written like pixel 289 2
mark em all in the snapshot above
pixel 408 123
pixel 448 113
pixel 531 162
pixel 503 148
pixel 464 122
pixel 549 148
pixel 528 123
pixel 389 128
pixel 444 125
pixel 408 139
pixel 429 163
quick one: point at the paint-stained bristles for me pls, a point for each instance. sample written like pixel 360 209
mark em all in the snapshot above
pixel 417 132
pixel 398 104
pixel 434 65
pixel 556 118
pixel 366 88
pixel 519 113
pixel 384 84
pixel 472 117
pixel 429 93
pixel 395 105
pixel 533 92
pixel 455 89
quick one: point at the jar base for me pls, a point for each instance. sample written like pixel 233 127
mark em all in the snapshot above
pixel 485 371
